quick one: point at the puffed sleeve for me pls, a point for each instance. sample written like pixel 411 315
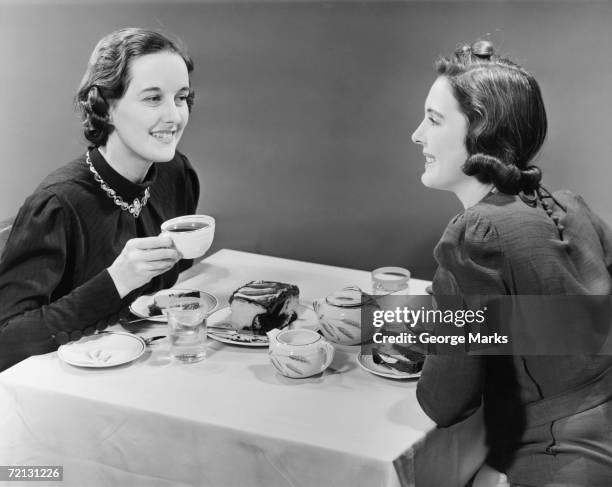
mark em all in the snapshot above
pixel 469 255
pixel 38 311
pixel 470 258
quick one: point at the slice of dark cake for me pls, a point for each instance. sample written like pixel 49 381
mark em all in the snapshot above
pixel 407 361
pixel 261 306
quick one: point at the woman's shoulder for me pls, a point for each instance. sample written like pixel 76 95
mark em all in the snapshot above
pixel 509 218
pixel 513 217
pixel 506 210
pixel 179 170
pixel 176 173
pixel 520 230
pixel 512 210
pixel 571 200
pixel 496 224
pixel 66 177
pixel 179 166
pixel 470 256
pixel 177 179
pixel 479 223
pixel 69 184
pixel 471 235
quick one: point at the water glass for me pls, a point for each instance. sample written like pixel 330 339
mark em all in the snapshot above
pixel 187 328
pixel 390 280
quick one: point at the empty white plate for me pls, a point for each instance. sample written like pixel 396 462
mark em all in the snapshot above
pixel 106 349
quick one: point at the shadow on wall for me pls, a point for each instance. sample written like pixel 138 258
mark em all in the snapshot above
pixel 301 130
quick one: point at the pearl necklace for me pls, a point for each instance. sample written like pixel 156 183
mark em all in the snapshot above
pixel 133 208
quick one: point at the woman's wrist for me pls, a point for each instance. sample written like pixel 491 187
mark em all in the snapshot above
pixel 122 289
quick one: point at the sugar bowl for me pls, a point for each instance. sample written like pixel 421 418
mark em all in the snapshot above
pixel 340 316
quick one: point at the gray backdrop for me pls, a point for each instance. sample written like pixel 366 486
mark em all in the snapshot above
pixel 301 132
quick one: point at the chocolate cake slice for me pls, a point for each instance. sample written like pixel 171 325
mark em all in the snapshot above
pixel 407 361
pixel 260 306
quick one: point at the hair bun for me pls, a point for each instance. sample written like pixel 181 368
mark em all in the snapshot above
pixel 530 178
pixel 489 169
pixel 483 49
pixel 95 116
pixel 480 50
pixel 507 178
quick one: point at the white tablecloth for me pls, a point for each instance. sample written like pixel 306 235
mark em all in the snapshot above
pixel 230 420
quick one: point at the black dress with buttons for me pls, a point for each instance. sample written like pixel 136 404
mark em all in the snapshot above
pixel 54 286
pixel 536 432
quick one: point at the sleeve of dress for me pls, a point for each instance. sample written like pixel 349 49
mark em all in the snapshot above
pixel 37 311
pixel 451 386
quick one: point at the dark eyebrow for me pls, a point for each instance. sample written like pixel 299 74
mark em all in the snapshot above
pixel 157 89
pixel 437 114
pixel 152 88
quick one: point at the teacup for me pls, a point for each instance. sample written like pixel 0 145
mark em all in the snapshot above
pixel 192 234
pixel 299 353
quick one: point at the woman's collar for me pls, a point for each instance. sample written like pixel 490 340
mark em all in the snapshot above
pixel 124 187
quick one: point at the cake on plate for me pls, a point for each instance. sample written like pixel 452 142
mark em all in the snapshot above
pixel 406 360
pixel 161 301
pixel 260 306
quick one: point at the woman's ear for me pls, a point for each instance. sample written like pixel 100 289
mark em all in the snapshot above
pixel 111 112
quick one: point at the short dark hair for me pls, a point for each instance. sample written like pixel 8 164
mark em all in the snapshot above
pixel 507 119
pixel 108 75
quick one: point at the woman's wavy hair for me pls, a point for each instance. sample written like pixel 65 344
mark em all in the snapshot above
pixel 108 75
pixel 505 111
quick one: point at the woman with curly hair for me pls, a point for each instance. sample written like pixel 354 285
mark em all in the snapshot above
pixel 87 242
pixel 548 418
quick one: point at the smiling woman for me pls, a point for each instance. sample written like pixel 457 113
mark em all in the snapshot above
pixel 86 242
pixel 547 423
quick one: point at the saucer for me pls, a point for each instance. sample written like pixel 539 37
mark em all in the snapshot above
pixel 306 318
pixel 106 349
pixel 366 362
pixel 141 306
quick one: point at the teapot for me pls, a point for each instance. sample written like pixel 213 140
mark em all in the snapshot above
pixel 340 316
pixel 299 353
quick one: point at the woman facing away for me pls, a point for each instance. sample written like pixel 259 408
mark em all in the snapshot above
pixel 86 242
pixel 484 124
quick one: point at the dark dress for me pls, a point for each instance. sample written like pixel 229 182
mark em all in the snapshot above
pixel 54 286
pixel 502 246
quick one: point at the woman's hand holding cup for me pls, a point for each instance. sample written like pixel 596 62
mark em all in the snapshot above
pixel 141 260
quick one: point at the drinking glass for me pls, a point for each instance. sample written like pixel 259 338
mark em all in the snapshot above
pixel 187 328
pixel 390 280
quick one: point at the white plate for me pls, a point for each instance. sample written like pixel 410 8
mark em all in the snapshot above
pixel 106 349
pixel 140 307
pixel 366 362
pixel 306 318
